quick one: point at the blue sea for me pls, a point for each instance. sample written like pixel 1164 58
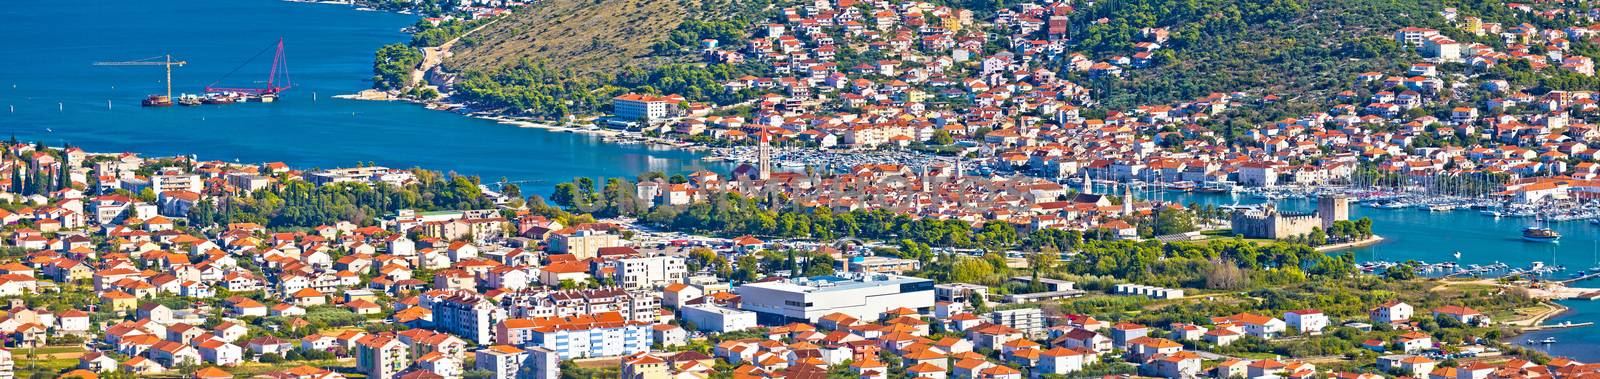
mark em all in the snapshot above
pixel 1434 237
pixel 51 91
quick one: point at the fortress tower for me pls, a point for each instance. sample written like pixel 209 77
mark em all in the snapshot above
pixel 1333 208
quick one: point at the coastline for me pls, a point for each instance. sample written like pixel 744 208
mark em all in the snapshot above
pixel 1375 239
pixel 609 135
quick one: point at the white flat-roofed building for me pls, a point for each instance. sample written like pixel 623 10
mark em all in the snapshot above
pixel 176 182
pixel 367 174
pixel 882 265
pixel 861 296
pixel 713 318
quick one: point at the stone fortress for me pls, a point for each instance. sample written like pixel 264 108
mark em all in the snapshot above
pixel 1267 222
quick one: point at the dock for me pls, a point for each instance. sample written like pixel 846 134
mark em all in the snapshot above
pixel 1581 278
pixel 1557 326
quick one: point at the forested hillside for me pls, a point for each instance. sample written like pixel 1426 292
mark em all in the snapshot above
pixel 1297 49
pixel 562 57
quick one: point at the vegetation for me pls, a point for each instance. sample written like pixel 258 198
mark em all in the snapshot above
pixel 1220 264
pixel 1306 49
pixel 536 88
pixel 298 203
pixel 391 70
pixel 430 35
pixel 587 37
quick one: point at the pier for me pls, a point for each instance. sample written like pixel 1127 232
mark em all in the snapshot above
pixel 1557 326
pixel 1588 276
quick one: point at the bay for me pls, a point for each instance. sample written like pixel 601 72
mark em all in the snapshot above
pixel 51 91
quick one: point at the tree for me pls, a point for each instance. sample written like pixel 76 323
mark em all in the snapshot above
pixel 566 195
pixel 1316 237
pixel 391 68
pixel 1224 274
pixel 1174 221
pixel 979 306
pixel 1403 271
pixel 970 270
pixel 941 137
pixel 1043 260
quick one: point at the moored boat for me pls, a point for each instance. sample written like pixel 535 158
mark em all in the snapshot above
pixel 1539 234
pixel 157 101
pixel 218 98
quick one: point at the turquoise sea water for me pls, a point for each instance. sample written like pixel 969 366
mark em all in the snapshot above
pixel 58 96
pixel 47 77
pixel 1581 343
pixel 1434 236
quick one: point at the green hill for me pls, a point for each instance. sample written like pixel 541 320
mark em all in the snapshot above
pixel 585 36
pixel 1298 49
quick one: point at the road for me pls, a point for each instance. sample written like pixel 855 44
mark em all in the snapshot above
pixel 434 56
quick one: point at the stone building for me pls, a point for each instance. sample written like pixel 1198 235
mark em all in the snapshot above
pixel 1270 223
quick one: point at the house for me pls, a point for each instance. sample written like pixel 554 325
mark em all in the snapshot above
pixel 1122 333
pixel 1412 342
pixel 1464 315
pixel 269 345
pixel 220 353
pixel 1407 364
pixel 1257 325
pixel 1182 364
pixel 1306 321
pixel 1390 312
pixel 1062 361
pixel 1079 338
pixel 1221 336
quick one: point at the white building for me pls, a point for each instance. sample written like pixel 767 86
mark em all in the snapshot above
pixel 1391 312
pixel 176 182
pixel 713 318
pixel 648 109
pixel 1257 174
pixel 642 272
pixel 1029 321
pixel 1306 321
pixel 808 299
pixel 602 335
pixel 465 314
pixel 510 362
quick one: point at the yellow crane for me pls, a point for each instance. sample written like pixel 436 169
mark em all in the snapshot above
pixel 166 61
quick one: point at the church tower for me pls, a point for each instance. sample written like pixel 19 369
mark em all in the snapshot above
pixel 764 158
pixel 1127 200
pixel 958 173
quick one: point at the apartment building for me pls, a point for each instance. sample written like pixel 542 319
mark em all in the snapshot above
pixel 606 334
pixel 465 314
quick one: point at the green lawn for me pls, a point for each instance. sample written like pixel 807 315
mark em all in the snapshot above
pixel 53 350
